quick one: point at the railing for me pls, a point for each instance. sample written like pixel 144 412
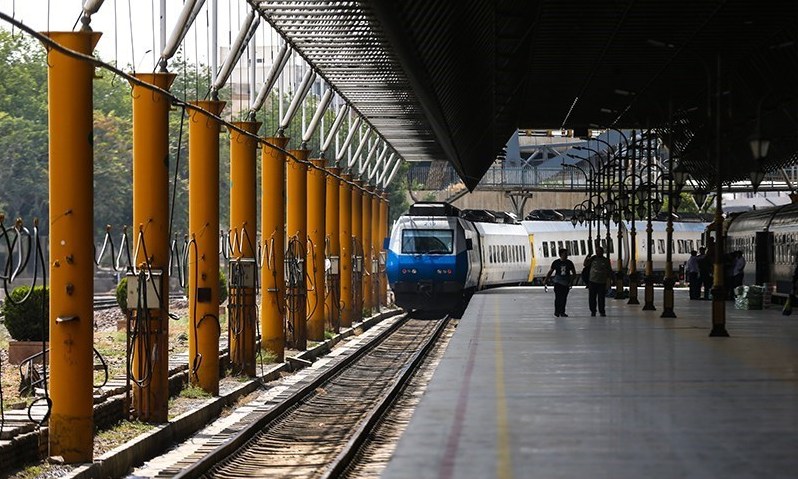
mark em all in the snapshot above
pixel 438 177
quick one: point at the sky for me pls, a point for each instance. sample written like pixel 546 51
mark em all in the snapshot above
pixel 117 18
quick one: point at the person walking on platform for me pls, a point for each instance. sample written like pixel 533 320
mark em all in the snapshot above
pixel 600 273
pixel 739 268
pixel 705 271
pixel 564 275
pixel 693 272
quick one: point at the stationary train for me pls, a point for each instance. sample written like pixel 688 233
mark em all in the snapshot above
pixel 438 255
pixel 768 239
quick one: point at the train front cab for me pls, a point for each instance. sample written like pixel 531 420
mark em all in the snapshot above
pixel 428 264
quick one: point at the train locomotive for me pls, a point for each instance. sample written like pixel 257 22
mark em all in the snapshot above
pixel 438 256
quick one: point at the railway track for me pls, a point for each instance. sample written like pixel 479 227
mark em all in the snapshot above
pixel 318 431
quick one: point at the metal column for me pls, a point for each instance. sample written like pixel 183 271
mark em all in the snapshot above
pixel 346 299
pixel 357 251
pixel 316 250
pixel 383 236
pixel 376 246
pixel 296 232
pixel 331 225
pixel 242 309
pixel 272 279
pixel 203 262
pixel 151 213
pixel 69 96
pixel 366 221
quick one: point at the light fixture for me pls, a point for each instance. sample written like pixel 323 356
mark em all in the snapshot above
pixel 757 176
pixel 627 214
pixel 759 147
pixel 656 205
pixel 700 197
pixel 574 220
pixel 680 176
pixel 641 194
pixel 677 201
pixel 641 211
pixel 623 201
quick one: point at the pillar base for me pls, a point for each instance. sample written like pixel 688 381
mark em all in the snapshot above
pixel 667 306
pixel 719 331
pixel 633 290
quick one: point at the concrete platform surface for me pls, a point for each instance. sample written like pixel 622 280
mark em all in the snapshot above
pixel 523 394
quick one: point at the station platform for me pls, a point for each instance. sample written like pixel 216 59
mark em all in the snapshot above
pixel 521 393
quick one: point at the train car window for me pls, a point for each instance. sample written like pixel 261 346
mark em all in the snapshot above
pixel 574 247
pixel 490 254
pixel 427 241
pixel 584 249
pixel 661 246
pixel 545 247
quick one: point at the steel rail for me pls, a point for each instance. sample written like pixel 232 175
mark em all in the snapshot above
pixel 347 456
pixel 245 435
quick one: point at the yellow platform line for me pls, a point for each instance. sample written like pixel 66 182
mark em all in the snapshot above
pixel 504 465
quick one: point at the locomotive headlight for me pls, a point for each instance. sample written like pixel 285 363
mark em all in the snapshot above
pixel 438 271
pixel 449 271
pixel 404 271
pixel 413 270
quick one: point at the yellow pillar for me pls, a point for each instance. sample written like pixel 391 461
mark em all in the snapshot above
pixel 331 222
pixel 376 246
pixel 315 256
pixel 346 300
pixel 366 220
pixel 203 262
pixel 242 311
pixel 357 251
pixel 69 97
pixel 296 232
pixel 383 235
pixel 272 280
pixel 151 210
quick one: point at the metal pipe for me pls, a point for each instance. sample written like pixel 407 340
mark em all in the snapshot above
pixel 187 16
pixel 299 96
pixel 367 160
pixel 359 149
pixel 370 171
pixel 393 172
pixel 314 122
pixel 274 73
pixel 151 208
pixel 333 250
pixel 248 29
pixel 351 134
pixel 316 195
pixel 242 310
pixel 339 118
pixel 371 152
pixel 388 163
pixel 69 96
pixel 214 42
pixel 203 218
pixel 273 248
pixel 346 301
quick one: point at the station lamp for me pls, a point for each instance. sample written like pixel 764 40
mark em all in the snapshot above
pixel 700 197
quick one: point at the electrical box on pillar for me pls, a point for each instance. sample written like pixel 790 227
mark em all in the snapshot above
pixel 144 290
pixel 242 273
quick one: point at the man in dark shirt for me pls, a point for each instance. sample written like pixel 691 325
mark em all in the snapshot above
pixel 564 275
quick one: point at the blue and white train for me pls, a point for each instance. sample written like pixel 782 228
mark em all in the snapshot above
pixel 439 256
pixel 437 259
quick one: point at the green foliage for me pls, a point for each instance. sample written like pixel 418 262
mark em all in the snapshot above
pixel 194 392
pixel 121 294
pixel 29 320
pixel 222 287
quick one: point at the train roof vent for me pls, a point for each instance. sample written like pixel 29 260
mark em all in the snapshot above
pixel 429 208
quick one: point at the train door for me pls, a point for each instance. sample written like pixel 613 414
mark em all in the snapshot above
pixel 763 256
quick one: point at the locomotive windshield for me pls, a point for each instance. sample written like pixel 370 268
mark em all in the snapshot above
pixel 427 241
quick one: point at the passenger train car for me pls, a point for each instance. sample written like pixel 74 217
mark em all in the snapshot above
pixel 768 239
pixel 547 237
pixel 437 258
